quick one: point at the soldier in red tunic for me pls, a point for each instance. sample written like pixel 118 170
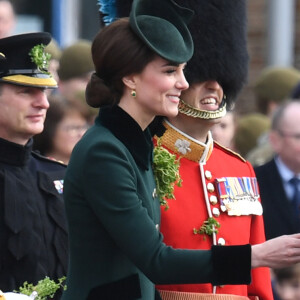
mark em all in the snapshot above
pixel 218 202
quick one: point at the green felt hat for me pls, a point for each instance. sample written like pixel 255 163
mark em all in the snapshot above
pixel 162 25
pixel 250 128
pixel 76 60
pixel 276 83
pixel 53 49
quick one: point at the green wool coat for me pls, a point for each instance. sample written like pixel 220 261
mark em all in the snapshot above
pixel 116 249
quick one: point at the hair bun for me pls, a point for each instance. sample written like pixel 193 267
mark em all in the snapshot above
pixel 97 93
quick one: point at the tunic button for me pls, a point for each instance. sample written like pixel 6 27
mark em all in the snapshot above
pixel 154 194
pixel 208 175
pixel 210 187
pixel 221 242
pixel 157 227
pixel 223 208
pixel 213 199
pixel 216 212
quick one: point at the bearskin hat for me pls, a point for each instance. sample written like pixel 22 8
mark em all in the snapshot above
pixel 219 31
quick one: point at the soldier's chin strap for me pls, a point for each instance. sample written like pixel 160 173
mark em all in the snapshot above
pixel 191 111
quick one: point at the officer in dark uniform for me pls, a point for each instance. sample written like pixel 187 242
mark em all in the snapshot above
pixel 33 235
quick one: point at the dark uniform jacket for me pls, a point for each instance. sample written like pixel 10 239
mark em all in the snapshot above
pixel 113 213
pixel 278 213
pixel 33 236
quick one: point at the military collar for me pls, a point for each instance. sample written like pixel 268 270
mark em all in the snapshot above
pixel 14 154
pixel 127 130
pixel 186 146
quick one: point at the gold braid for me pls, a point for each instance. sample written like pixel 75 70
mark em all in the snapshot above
pixel 188 110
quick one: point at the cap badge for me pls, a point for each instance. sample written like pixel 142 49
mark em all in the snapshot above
pixel 40 58
pixel 59 185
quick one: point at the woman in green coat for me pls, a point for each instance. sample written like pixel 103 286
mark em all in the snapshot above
pixel 116 249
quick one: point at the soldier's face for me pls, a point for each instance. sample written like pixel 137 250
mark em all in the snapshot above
pixel 224 131
pixel 22 112
pixel 206 95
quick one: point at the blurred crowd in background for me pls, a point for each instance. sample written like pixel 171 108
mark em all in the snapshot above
pixel 262 136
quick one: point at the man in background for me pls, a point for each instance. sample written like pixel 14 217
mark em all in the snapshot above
pixel 75 69
pixel 7 18
pixel 279 178
pixel 273 86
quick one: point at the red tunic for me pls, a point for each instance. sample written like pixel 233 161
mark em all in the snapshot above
pixel 200 168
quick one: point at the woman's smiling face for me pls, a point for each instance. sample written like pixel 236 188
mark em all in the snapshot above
pixel 159 86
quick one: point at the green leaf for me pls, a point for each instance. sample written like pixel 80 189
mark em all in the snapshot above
pixel 45 288
pixel 40 58
pixel 208 227
pixel 166 173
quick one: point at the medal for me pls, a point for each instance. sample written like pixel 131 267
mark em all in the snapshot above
pixel 239 196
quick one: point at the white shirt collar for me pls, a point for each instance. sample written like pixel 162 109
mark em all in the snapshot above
pixel 285 173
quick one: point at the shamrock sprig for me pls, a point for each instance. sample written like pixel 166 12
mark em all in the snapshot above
pixel 166 173
pixel 40 58
pixel 208 227
pixel 45 288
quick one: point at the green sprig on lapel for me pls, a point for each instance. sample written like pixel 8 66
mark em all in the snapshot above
pixel 166 172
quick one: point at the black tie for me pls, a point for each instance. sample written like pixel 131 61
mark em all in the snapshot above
pixel 296 195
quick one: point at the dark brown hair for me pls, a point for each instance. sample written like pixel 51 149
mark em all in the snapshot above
pixel 59 108
pixel 116 52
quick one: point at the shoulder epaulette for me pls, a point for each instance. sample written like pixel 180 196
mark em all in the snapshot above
pixel 230 151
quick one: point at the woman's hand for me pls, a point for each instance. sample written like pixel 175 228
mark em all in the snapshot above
pixel 279 252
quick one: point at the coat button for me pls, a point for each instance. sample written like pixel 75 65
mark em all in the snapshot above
pixel 213 199
pixel 157 227
pixel 210 187
pixel 154 193
pixel 221 242
pixel 216 212
pixel 208 175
